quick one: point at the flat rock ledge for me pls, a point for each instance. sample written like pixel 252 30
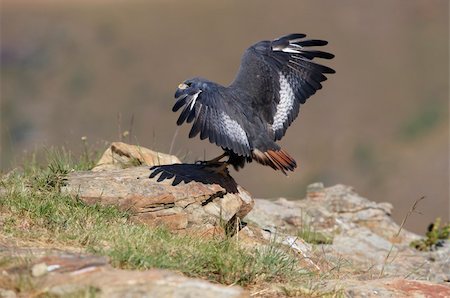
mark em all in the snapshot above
pixel 182 197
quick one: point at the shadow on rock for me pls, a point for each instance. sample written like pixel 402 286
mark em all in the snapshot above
pixel 193 172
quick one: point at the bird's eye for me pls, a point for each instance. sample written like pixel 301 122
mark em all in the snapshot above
pixel 183 86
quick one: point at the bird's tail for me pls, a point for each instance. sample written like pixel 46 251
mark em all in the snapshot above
pixel 276 159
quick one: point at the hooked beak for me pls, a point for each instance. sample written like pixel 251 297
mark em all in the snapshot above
pixel 179 93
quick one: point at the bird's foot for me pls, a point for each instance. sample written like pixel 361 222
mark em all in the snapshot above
pixel 219 167
pixel 201 162
pixel 213 162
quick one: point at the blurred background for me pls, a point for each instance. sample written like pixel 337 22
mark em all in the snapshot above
pixel 98 68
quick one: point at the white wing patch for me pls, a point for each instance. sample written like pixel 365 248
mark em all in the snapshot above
pixel 285 105
pixel 193 99
pixel 234 131
pixel 291 48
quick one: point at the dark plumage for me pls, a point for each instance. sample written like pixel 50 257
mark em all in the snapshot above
pixel 249 116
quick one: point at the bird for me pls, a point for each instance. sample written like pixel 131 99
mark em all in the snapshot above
pixel 248 117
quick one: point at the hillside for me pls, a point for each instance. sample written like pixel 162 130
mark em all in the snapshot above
pixel 139 224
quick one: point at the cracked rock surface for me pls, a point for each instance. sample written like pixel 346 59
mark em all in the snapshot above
pixel 362 232
pixel 183 197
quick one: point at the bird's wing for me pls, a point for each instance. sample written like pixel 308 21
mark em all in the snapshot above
pixel 214 117
pixel 280 75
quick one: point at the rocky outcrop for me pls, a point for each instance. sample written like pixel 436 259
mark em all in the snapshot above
pixel 54 273
pixel 331 229
pixel 361 232
pixel 333 210
pixel 183 197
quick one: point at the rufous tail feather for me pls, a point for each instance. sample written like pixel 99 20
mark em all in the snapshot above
pixel 277 160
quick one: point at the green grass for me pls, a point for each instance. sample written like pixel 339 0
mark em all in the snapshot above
pixel 435 236
pixel 221 261
pixel 34 210
pixel 308 233
pixel 312 236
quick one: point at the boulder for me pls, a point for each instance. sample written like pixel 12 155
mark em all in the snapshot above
pixel 183 197
pixel 121 155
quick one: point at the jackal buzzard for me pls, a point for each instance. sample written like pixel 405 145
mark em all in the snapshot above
pixel 249 116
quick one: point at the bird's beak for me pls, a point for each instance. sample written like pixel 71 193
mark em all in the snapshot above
pixel 179 92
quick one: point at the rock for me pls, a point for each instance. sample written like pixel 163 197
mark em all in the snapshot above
pixel 79 275
pixel 363 233
pixel 39 270
pixel 415 288
pixel 72 290
pixel 7 293
pixel 388 287
pixel 314 188
pixel 183 197
pixel 120 155
pixel 334 209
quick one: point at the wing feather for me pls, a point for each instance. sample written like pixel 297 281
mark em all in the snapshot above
pixel 287 78
pixel 214 117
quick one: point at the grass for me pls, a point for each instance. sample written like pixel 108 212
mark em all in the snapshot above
pixel 310 234
pixel 34 210
pixel 220 261
pixel 434 238
pixel 296 291
pixel 400 228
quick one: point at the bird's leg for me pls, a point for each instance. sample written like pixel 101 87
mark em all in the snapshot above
pixel 220 168
pixel 213 161
pixel 216 166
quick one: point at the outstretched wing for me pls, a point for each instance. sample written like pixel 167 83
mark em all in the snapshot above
pixel 280 75
pixel 213 117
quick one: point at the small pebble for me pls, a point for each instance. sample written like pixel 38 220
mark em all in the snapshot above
pixel 39 270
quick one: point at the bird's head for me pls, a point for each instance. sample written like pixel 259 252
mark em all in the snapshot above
pixel 190 87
